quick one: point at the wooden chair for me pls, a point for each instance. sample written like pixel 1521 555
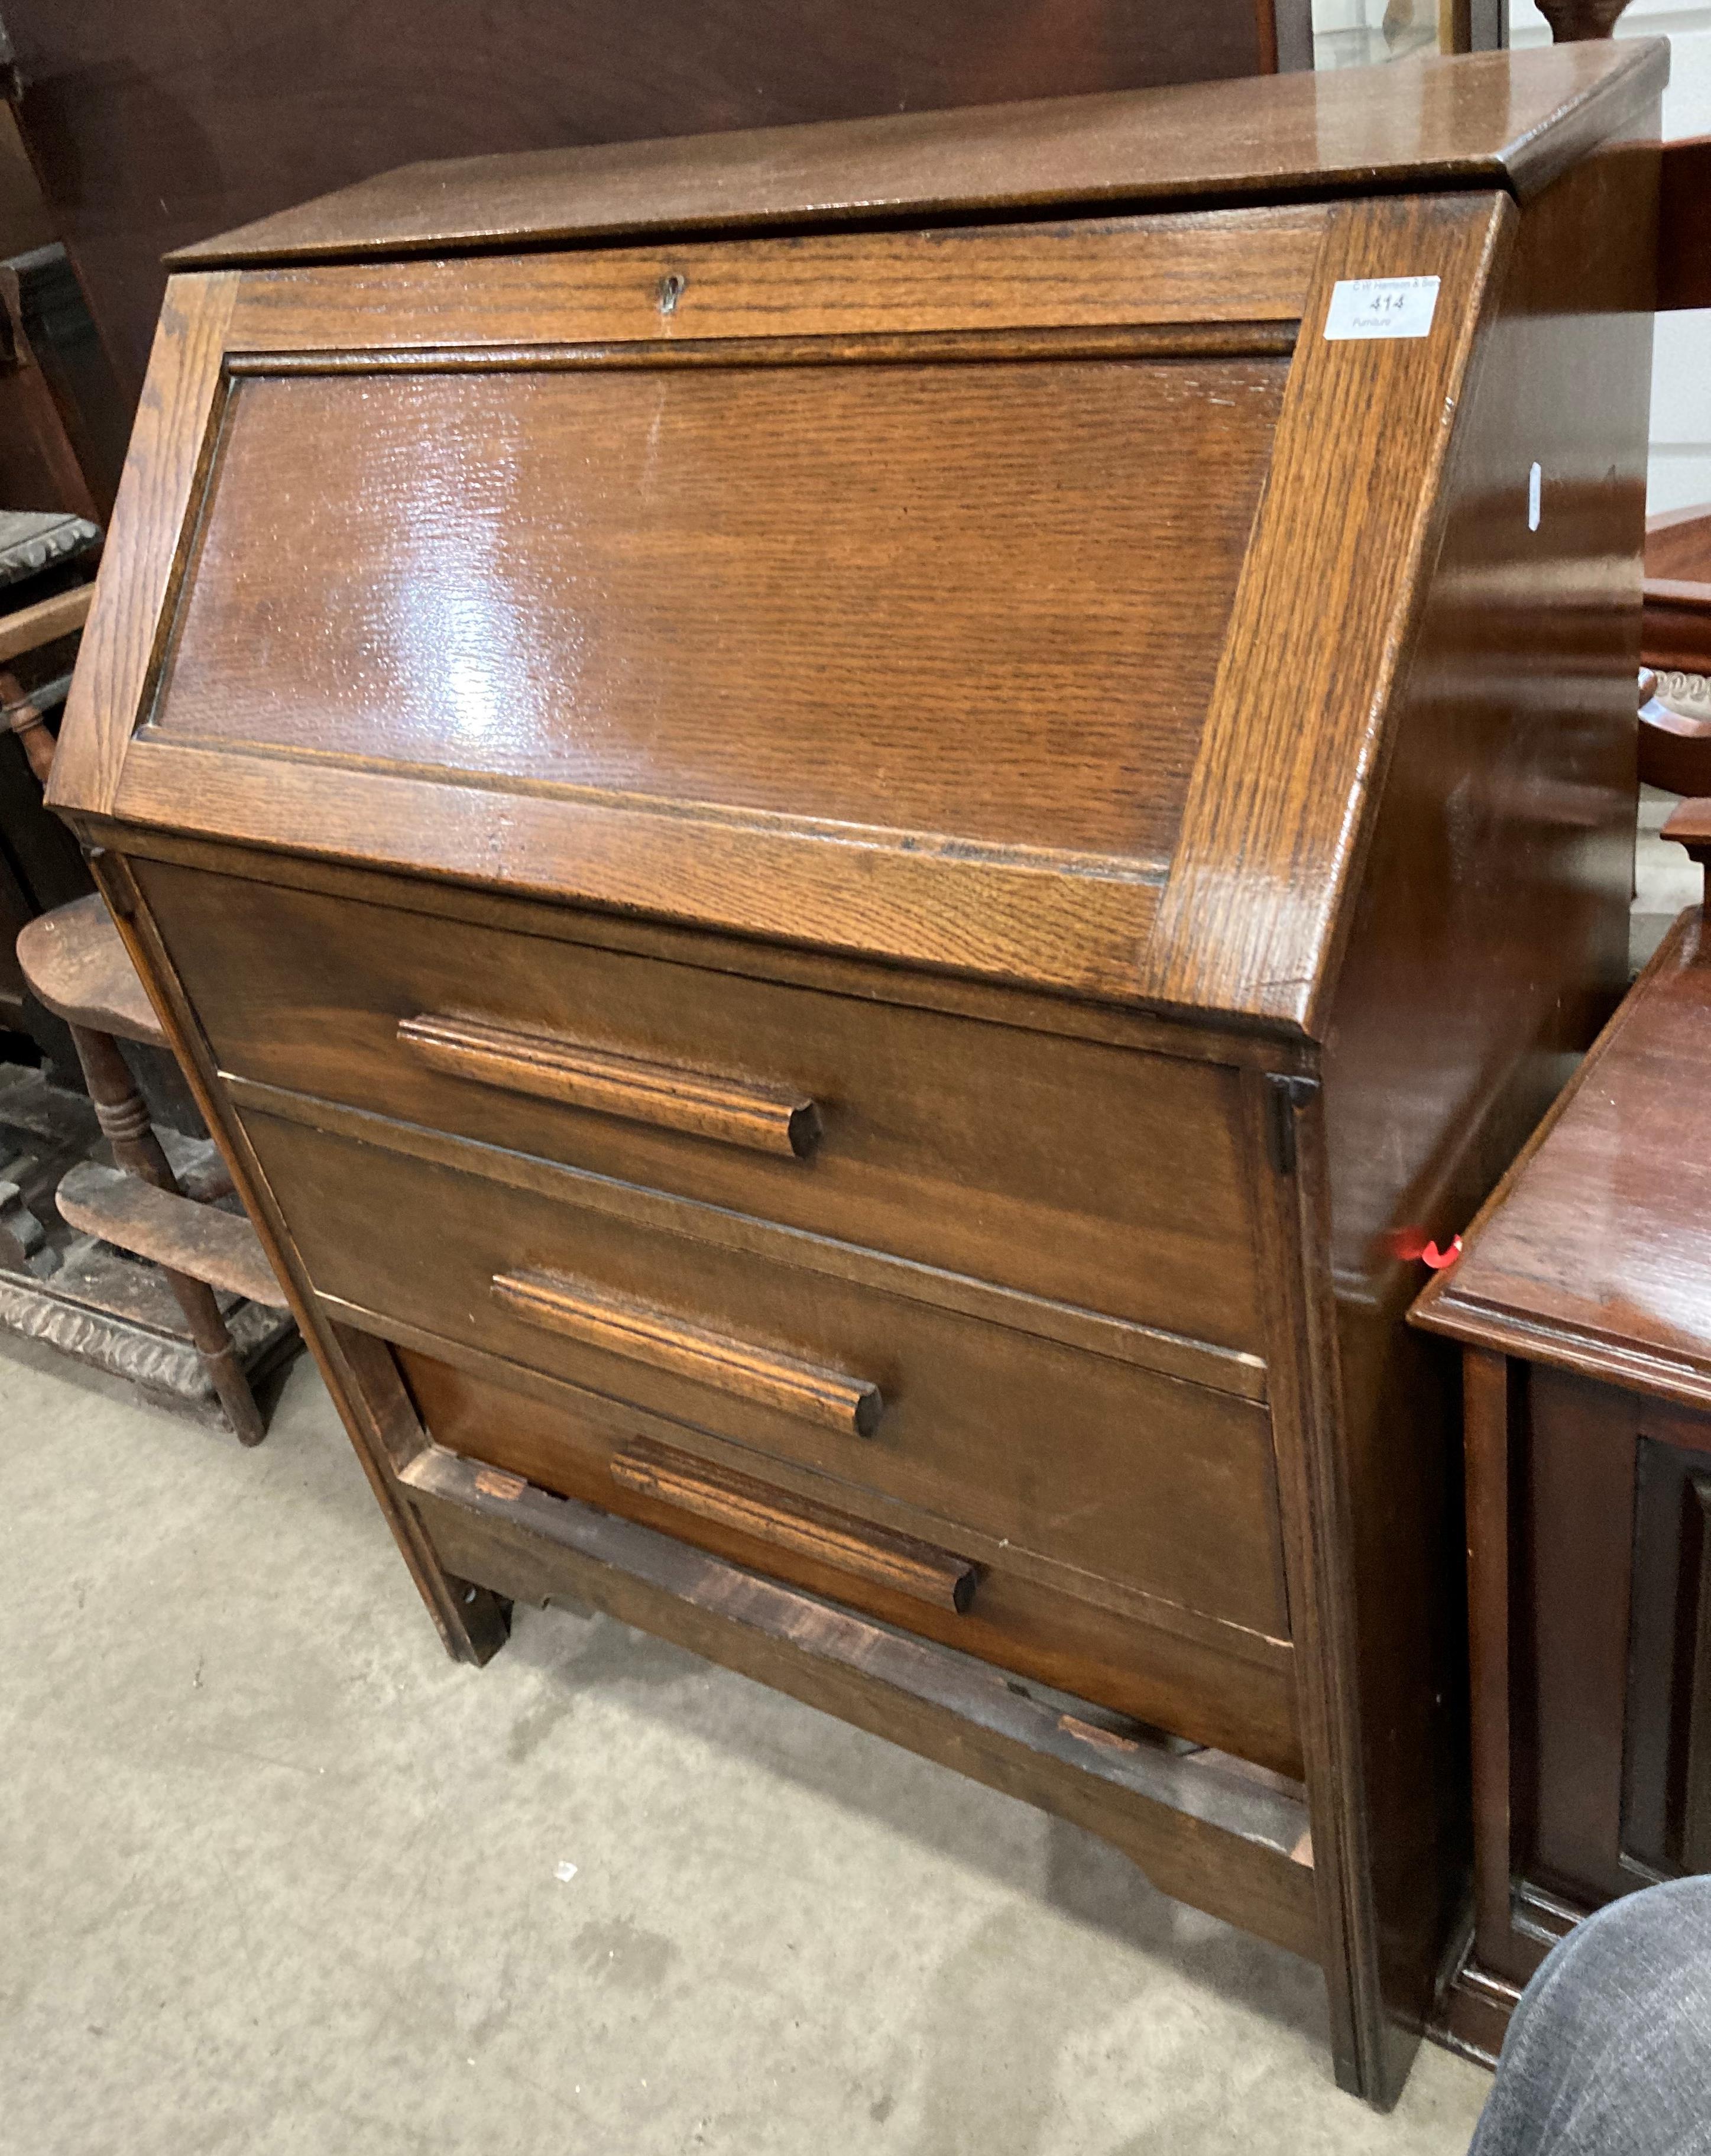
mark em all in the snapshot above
pixel 76 965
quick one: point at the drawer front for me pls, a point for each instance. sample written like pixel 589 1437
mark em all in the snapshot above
pixel 568 1444
pixel 1094 1175
pixel 1160 1486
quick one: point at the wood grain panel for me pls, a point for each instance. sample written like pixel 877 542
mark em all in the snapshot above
pixel 696 586
pixel 1296 734
pixel 1491 924
pixel 1658 1584
pixel 168 460
pixel 1014 914
pixel 1164 1486
pixel 1219 266
pixel 1205 1684
pixel 1508 795
pixel 1571 1608
pixel 1049 1164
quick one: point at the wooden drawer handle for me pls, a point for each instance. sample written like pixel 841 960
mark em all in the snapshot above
pixel 890 1560
pixel 552 1067
pixel 667 1343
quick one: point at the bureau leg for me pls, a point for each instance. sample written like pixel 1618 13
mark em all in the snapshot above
pixel 477 1622
pixel 1370 2052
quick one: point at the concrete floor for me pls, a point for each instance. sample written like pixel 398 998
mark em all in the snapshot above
pixel 277 1877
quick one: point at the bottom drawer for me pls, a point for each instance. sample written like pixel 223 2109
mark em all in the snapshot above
pixel 567 1442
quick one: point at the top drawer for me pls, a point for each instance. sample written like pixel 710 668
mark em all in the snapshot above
pixel 1099 1176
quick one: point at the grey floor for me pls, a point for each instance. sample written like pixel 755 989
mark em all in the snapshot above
pixel 1665 880
pixel 277 1877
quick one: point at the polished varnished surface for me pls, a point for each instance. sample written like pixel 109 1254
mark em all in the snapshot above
pixel 1250 914
pixel 682 584
pixel 1578 1298
pixel 958 281
pixel 1022 1439
pixel 1487 119
pixel 1260 884
pixel 1087 1277
pixel 1594 1254
pixel 992 1150
pixel 1208 1680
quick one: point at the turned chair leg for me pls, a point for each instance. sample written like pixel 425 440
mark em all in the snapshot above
pixel 124 1122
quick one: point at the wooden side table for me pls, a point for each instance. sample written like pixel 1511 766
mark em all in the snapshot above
pixel 1583 1303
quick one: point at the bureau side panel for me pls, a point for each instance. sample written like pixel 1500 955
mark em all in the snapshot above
pixel 1489 940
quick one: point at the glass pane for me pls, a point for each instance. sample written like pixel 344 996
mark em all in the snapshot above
pixel 1357 33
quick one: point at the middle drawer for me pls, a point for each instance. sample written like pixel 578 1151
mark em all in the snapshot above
pixel 1152 1483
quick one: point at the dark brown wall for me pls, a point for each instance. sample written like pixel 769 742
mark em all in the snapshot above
pixel 153 125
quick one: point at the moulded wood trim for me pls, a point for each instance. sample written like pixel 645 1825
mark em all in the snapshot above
pixel 1293 749
pixel 1611 1359
pixel 662 1338
pixel 171 446
pixel 1217 267
pixel 1231 1370
pixel 1696 1798
pixel 545 1063
pixel 899 1563
pixel 1052 919
pixel 1471 2015
pixel 1196 340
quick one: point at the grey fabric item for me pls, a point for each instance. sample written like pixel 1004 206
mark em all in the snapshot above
pixel 1609 2053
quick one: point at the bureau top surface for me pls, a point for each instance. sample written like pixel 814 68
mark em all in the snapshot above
pixel 1509 119
pixel 1594 1252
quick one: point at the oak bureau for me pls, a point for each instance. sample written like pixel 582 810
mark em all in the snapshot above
pixel 856 831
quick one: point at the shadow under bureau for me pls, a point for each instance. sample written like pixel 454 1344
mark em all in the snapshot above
pixel 854 831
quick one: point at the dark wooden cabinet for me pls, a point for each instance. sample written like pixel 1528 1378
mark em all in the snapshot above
pixel 854 830
pixel 1581 1302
